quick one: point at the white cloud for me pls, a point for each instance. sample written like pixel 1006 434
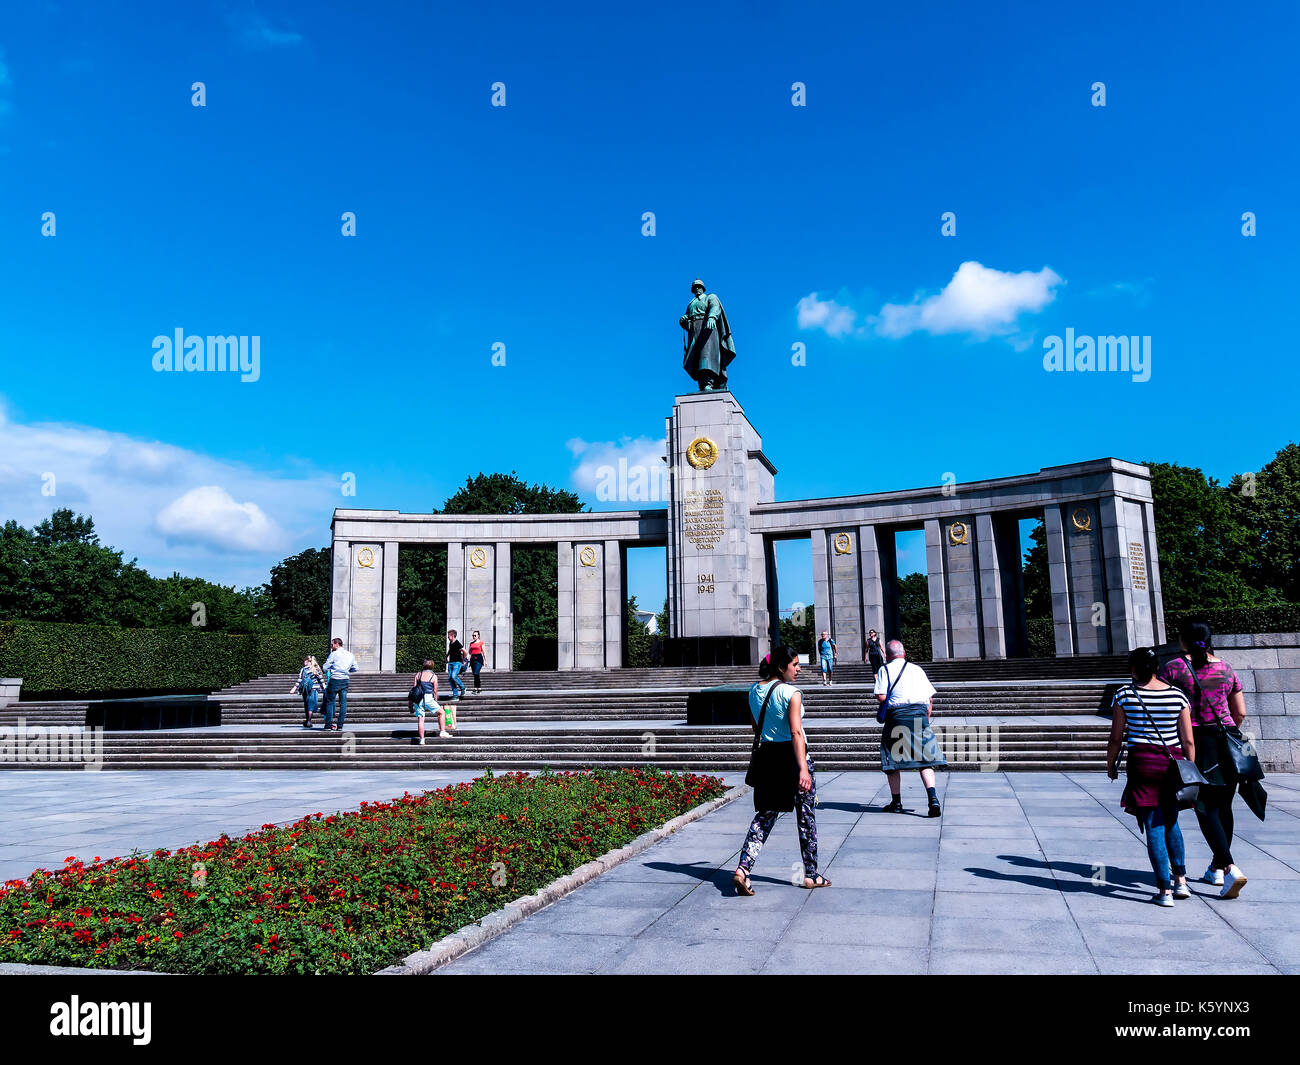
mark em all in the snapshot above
pixel 833 318
pixel 978 300
pixel 256 32
pixel 628 473
pixel 210 516
pixel 172 508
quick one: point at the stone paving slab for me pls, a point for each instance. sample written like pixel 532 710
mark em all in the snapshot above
pixel 1025 873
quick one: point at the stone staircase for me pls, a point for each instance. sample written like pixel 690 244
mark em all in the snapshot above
pixel 1045 713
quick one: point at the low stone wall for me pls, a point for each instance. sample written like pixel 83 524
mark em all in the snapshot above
pixel 10 689
pixel 1268 664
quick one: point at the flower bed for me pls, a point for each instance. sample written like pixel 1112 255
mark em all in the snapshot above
pixel 344 893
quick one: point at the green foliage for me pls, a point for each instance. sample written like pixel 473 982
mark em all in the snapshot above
pixel 300 590
pixel 1037 583
pixel 91 659
pixel 347 893
pixel 414 650
pixel 422 590
pixel 1272 617
pixel 800 631
pixel 914 617
pixel 1041 634
pixel 639 640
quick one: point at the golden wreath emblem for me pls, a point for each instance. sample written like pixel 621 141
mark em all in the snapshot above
pixel 365 558
pixel 702 453
pixel 843 544
pixel 587 556
pixel 1081 519
pixel 958 533
pixel 477 558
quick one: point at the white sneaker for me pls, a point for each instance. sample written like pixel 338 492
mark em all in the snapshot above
pixel 1233 881
pixel 1182 891
pixel 1164 899
pixel 1213 876
pixel 421 742
pixel 444 735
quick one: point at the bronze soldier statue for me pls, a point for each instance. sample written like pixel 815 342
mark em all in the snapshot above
pixel 707 347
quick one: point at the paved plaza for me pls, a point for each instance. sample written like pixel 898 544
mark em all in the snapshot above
pixel 1024 873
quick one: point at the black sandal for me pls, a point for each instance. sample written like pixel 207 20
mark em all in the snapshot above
pixel 818 881
pixel 743 886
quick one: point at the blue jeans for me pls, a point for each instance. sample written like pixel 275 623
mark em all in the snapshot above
pixel 454 670
pixel 309 704
pixel 1164 844
pixel 336 689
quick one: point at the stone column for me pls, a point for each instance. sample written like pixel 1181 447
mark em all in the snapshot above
pixel 588 569
pixel 456 586
pixel 340 590
pixel 935 563
pixel 849 633
pixel 961 569
pixel 501 652
pixel 1058 575
pixel 480 569
pixel 364 636
pixel 992 627
pixel 873 587
pixel 615 605
pixel 388 617
pixel 1127 576
pixel 1089 602
pixel 713 452
pixel 566 640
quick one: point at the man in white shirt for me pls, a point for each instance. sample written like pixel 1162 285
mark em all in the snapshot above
pixel 900 683
pixel 337 668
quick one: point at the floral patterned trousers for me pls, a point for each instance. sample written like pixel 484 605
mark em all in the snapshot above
pixel 805 803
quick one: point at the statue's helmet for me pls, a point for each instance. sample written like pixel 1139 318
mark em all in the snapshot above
pixel 697 283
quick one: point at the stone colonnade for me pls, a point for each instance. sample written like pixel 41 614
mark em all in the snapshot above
pixel 720 527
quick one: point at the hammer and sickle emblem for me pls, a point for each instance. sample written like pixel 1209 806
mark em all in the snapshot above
pixel 587 556
pixel 365 558
pixel 958 533
pixel 477 558
pixel 843 543
pixel 702 453
pixel 1081 519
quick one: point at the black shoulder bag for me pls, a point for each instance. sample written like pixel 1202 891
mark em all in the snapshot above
pixel 773 774
pixel 1184 777
pixel 883 712
pixel 1244 763
pixel 752 775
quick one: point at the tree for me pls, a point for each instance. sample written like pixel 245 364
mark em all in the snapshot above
pixel 798 630
pixel 1202 540
pixel 300 590
pixel 1269 509
pixel 914 616
pixel 1037 581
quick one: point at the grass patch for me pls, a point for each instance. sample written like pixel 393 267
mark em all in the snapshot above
pixel 343 893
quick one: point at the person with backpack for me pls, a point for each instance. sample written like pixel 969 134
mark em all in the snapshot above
pixel 310 685
pixel 1152 721
pixel 906 699
pixel 828 655
pixel 1218 709
pixel 423 700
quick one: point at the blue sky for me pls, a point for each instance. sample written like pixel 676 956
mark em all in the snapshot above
pixel 522 225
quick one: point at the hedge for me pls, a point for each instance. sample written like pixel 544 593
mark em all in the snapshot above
pixel 1280 617
pixel 96 659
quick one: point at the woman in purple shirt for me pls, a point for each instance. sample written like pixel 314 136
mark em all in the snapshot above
pixel 1218 707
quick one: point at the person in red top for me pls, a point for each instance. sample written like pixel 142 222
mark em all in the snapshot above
pixel 1218 706
pixel 477 656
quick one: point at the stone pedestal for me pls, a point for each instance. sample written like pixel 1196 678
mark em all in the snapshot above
pixel 363 606
pixel 717 588
pixel 478 597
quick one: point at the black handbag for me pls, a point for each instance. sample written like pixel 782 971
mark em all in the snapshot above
pixel 772 774
pixel 1245 763
pixel 752 776
pixel 1184 776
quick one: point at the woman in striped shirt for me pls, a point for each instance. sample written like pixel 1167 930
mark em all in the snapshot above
pixel 1153 720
